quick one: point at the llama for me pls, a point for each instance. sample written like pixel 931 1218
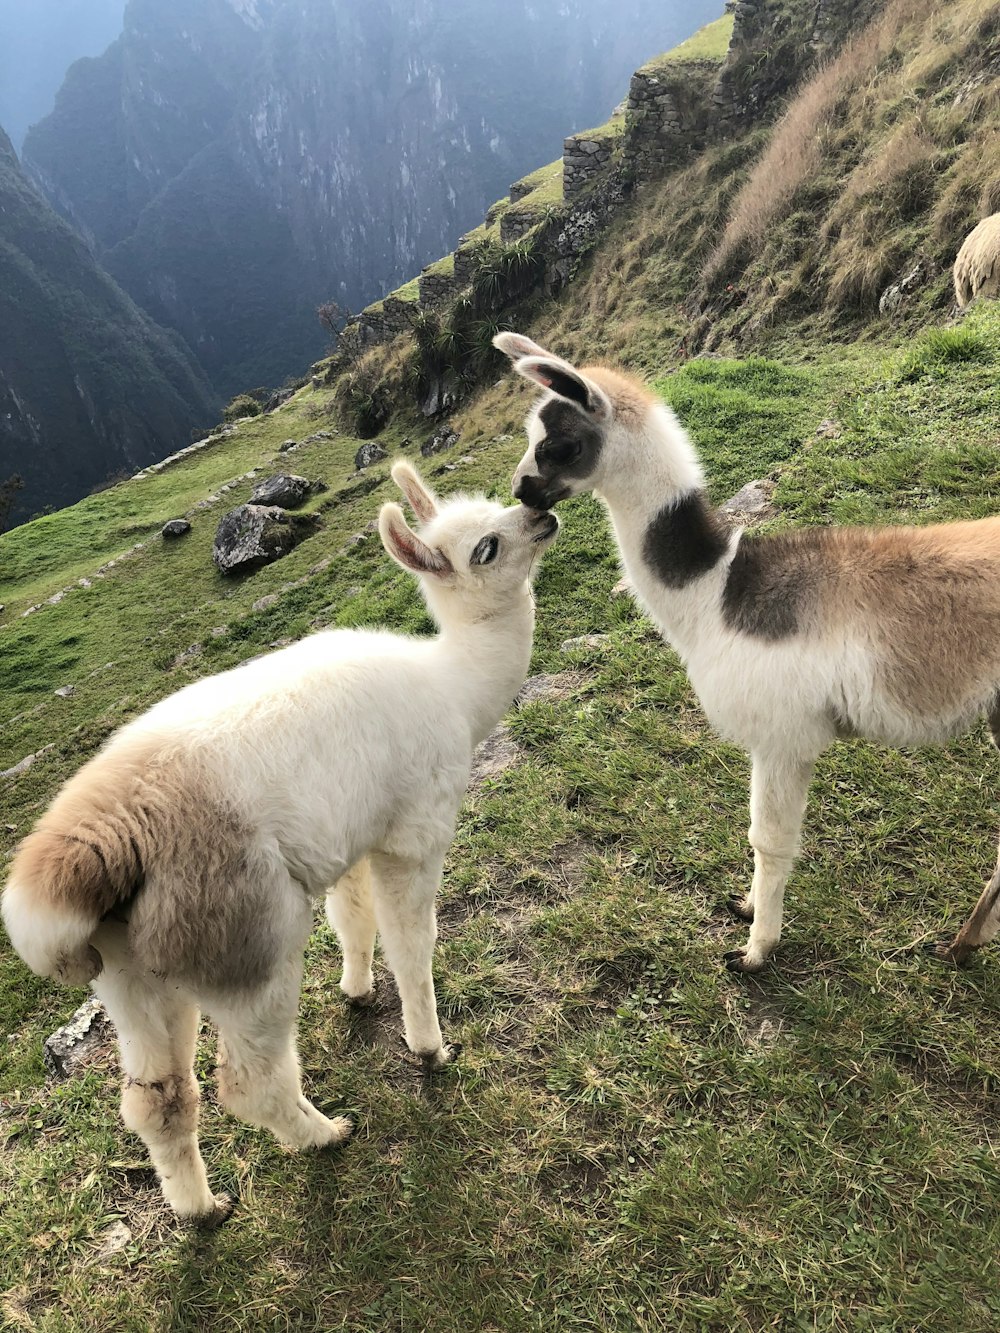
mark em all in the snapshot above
pixel 791 640
pixel 977 265
pixel 176 871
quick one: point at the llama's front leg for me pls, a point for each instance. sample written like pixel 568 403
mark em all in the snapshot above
pixel 350 912
pixel 404 892
pixel 778 791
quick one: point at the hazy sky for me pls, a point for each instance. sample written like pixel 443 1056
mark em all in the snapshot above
pixel 39 40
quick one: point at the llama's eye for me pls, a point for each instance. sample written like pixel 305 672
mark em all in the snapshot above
pixel 486 551
pixel 562 452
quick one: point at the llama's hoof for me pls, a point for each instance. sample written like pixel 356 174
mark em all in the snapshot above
pixel 738 960
pixel 225 1204
pixel 360 1001
pixel 434 1060
pixel 948 953
pixel 342 1128
pixel 739 909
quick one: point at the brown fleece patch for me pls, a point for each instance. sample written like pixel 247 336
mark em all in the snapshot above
pixel 143 833
pixel 629 396
pixel 934 594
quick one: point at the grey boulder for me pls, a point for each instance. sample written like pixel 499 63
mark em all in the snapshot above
pixel 253 535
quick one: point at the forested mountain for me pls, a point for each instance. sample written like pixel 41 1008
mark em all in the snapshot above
pixel 235 162
pixel 89 386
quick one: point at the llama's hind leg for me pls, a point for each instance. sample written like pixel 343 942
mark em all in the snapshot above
pixel 157 1033
pixel 350 912
pixel 404 894
pixel 259 1067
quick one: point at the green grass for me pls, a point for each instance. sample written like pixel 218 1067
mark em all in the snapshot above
pixel 633 1138
pixel 444 266
pixel 709 43
pixel 410 291
pixel 541 175
pixel 611 129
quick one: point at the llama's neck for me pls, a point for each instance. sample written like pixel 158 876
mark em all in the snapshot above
pixel 487 660
pixel 675 548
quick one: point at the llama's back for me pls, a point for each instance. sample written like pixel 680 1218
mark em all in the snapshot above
pixel 290 766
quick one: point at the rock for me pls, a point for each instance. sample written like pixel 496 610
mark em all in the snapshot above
pixel 195 650
pixel 117 1236
pixel 753 502
pixel 895 296
pixel 262 603
pixel 253 535
pixel 65 691
pixel 829 429
pixel 68 1047
pixel 584 641
pixel 219 631
pixel 176 527
pixel 497 752
pixel 284 489
pixel 288 444
pixel 25 763
pixel 368 454
pixel 444 439
pixel 554 686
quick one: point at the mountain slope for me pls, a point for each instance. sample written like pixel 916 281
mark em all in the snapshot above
pixel 88 385
pixel 334 148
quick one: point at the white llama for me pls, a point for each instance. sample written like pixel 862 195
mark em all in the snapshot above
pixel 176 872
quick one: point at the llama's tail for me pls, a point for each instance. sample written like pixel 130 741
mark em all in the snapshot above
pixel 66 876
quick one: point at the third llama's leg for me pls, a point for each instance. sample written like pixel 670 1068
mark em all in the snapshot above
pixel 349 911
pixel 981 927
pixel 259 1067
pixel 404 894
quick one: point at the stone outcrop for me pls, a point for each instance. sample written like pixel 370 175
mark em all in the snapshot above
pixel 284 489
pixel 253 535
pixel 368 454
pixel 174 528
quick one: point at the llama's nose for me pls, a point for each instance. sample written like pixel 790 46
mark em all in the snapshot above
pixel 531 492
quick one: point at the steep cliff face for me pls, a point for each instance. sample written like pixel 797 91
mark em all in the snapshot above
pixel 88 385
pixel 238 162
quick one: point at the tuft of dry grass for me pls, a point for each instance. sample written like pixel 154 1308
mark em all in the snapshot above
pixel 797 145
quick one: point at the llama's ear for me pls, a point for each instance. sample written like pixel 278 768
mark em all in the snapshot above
pixel 405 546
pixel 420 496
pixel 568 383
pixel 516 345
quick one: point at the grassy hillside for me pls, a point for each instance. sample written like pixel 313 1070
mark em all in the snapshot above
pixel 633 1138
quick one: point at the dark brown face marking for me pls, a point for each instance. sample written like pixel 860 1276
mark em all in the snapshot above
pixel 685 540
pixel 569 451
pixel 771 580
